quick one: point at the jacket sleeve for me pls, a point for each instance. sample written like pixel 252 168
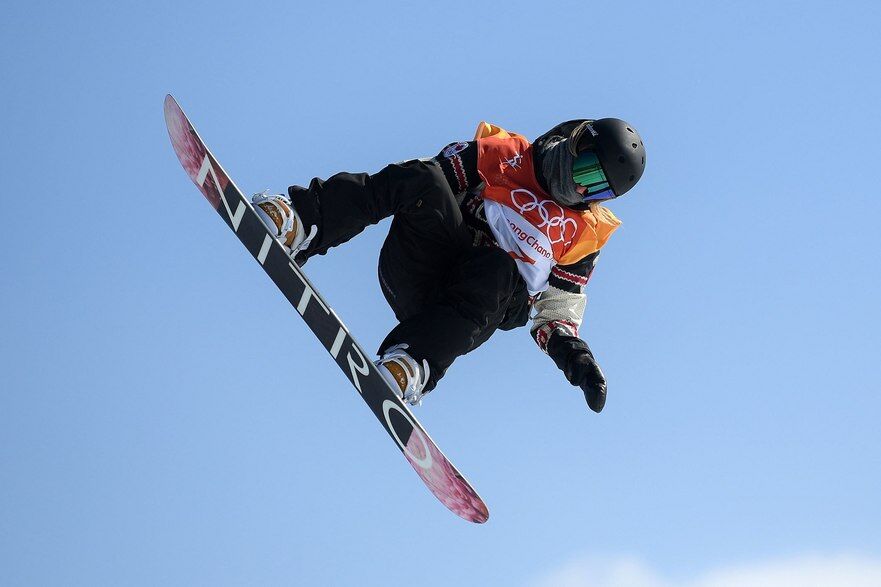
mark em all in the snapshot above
pixel 559 309
pixel 458 161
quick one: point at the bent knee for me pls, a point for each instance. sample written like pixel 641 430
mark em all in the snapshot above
pixel 420 183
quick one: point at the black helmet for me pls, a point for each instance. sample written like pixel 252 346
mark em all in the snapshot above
pixel 618 147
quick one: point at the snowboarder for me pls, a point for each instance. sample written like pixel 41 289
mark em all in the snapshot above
pixel 483 234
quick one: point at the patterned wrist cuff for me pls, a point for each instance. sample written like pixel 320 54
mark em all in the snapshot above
pixel 542 334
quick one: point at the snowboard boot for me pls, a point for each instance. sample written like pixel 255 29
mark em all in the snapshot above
pixel 406 376
pixel 278 214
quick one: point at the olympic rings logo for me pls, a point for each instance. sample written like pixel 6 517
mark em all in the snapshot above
pixel 556 226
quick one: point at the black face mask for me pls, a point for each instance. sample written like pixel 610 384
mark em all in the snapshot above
pixel 556 169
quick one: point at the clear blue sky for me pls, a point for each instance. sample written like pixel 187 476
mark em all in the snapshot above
pixel 165 418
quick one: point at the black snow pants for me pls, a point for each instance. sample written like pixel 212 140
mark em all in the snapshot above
pixel 448 295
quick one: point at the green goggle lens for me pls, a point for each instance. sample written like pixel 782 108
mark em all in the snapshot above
pixel 588 173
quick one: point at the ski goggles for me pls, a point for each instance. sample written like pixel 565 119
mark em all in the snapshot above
pixel 588 173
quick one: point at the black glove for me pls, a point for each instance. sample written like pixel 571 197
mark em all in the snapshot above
pixel 573 357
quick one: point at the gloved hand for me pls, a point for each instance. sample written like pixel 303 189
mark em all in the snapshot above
pixel 573 357
pixel 584 372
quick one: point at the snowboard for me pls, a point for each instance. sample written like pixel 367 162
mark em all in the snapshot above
pixel 408 435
